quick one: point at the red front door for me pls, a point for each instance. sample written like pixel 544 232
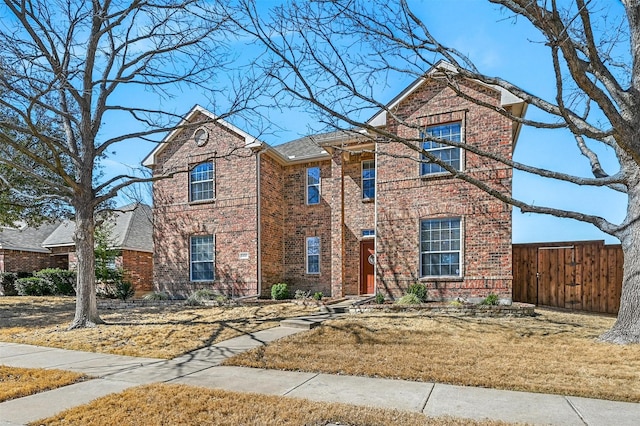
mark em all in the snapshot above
pixel 367 269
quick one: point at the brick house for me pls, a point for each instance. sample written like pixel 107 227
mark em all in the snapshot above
pixel 323 213
pixel 28 249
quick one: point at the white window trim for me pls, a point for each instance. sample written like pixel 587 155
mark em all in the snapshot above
pixel 307 185
pixel 212 180
pixel 462 151
pixel 362 179
pixel 461 251
pixel 306 256
pixel 191 262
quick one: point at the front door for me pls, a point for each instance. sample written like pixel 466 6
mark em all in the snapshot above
pixel 367 269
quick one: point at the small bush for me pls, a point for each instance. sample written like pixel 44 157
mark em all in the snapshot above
pixel 318 295
pixel 302 295
pixel 192 300
pixel 205 294
pixel 491 300
pixel 61 281
pixel 124 290
pixel 33 286
pixel 379 298
pixel 8 283
pixel 419 290
pixel 156 295
pixel 409 299
pixel 280 291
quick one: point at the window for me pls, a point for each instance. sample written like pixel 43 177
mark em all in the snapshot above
pixel 368 179
pixel 202 258
pixel 440 247
pixel 449 155
pixel 313 185
pixel 313 255
pixel 201 182
pixel 368 233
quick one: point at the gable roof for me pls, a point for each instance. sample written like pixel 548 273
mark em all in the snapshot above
pixel 506 98
pixel 26 238
pixel 131 229
pixel 250 141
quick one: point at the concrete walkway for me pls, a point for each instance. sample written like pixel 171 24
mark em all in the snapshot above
pixel 201 368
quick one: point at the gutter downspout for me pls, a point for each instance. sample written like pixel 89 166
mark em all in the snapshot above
pixel 342 255
pixel 259 226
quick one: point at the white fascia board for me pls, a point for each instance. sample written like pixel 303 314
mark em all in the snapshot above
pixel 251 142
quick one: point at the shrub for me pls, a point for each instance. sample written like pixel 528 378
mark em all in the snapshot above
pixel 61 281
pixel 409 299
pixel 318 295
pixel 156 295
pixel 279 291
pixel 199 296
pixel 192 300
pixel 491 299
pixel 379 298
pixel 301 294
pixel 123 290
pixel 419 290
pixel 33 286
pixel 8 283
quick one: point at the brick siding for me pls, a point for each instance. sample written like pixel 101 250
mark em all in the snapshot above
pixel 231 217
pixel 404 198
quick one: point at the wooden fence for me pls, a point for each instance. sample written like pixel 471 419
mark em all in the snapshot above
pixel 581 275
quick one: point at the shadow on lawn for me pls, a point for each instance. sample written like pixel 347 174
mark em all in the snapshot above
pixel 31 312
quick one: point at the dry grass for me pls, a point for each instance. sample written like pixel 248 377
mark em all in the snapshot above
pixel 157 332
pixel 551 353
pixel 147 405
pixel 19 382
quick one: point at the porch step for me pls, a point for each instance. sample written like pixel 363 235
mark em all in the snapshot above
pixel 308 322
pixel 343 306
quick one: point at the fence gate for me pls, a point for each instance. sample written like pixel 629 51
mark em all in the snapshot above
pixel 581 275
pixel 558 284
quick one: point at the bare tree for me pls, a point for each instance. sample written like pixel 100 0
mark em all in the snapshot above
pixel 72 71
pixel 331 54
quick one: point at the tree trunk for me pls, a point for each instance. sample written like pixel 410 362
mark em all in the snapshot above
pixel 86 303
pixel 627 326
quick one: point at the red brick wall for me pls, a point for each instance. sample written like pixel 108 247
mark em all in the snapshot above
pixel 358 215
pixel 138 266
pixel 231 218
pixel 272 215
pixel 302 221
pixel 404 198
pixel 23 261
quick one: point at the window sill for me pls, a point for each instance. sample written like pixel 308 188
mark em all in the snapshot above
pixel 195 203
pixel 368 200
pixel 443 278
pixel 436 176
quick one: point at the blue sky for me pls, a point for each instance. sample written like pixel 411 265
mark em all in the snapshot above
pixel 499 46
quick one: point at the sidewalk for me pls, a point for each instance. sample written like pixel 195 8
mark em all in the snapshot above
pixel 201 368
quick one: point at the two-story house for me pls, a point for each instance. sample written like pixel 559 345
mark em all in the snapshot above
pixel 343 213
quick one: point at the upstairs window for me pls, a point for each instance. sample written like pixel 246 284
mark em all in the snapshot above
pixel 201 182
pixel 313 185
pixel 313 255
pixel 202 258
pixel 447 154
pixel 440 247
pixel 368 180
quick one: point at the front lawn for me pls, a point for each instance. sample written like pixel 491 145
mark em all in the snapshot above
pixel 20 382
pixel 154 331
pixel 554 352
pixel 147 405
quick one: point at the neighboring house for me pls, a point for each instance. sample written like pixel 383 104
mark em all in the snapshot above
pixel 21 248
pixel 30 249
pixel 323 213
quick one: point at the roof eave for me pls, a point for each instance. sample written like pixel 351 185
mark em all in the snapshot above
pixel 251 142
